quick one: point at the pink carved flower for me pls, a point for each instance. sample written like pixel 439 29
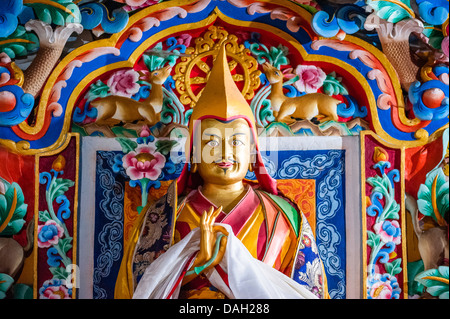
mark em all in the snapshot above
pixel 308 3
pixel 54 289
pixel 49 234
pixel 383 286
pixel 184 39
pixel 311 78
pixel 445 42
pixel 123 83
pixel 381 290
pixel 4 58
pixel 389 231
pixel 144 162
pixel 138 4
pixel 444 46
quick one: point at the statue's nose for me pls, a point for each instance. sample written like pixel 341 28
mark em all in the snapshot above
pixel 227 151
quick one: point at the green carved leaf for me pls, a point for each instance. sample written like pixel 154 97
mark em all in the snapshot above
pixel 5 282
pixel 441 190
pixel 59 187
pixel 392 212
pixel 127 144
pixel 414 268
pixel 65 244
pixel 15 221
pixel 97 90
pixel 164 146
pixel 435 281
pixel 154 62
pixel 435 36
pixel 120 131
pixel 44 216
pixel 333 86
pixel 394 268
pixel 373 239
pixel 379 184
pixel 276 56
pixel 22 291
pixel 57 12
pixel 390 10
pixel 24 43
pixel 59 272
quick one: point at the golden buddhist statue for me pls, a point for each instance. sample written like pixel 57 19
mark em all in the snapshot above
pixel 215 234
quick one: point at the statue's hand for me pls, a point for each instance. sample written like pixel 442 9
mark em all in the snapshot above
pixel 209 234
pixel 208 237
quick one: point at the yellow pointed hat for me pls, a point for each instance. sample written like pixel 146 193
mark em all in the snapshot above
pixel 221 98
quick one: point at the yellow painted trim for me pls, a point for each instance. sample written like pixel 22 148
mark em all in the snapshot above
pixel 363 213
pixel 15 41
pixel 444 26
pixel 52 4
pixel 75 209
pixel 36 220
pixel 23 147
pixel 402 5
pixel 402 149
pixel 443 280
pixel 439 218
pixel 75 214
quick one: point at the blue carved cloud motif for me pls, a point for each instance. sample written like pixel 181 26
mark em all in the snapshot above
pixel 434 12
pixel 95 14
pixel 19 105
pixel 9 11
pixel 348 18
pixel 421 110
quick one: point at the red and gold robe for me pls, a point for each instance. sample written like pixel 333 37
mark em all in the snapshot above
pixel 269 227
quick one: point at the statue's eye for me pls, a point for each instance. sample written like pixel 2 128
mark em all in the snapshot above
pixel 237 143
pixel 213 143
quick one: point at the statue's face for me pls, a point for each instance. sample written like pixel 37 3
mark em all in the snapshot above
pixel 225 149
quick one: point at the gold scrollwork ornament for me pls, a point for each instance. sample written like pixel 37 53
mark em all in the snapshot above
pixel 195 63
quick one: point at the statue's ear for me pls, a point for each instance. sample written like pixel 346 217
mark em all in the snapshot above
pixel 253 152
pixel 194 160
pixel 194 156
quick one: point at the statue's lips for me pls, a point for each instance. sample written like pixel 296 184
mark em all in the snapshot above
pixel 225 164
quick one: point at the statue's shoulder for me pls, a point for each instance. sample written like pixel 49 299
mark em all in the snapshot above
pixel 284 205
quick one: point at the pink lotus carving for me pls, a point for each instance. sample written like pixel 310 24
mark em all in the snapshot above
pixel 389 231
pixel 49 234
pixel 311 78
pixel 144 162
pixel 123 83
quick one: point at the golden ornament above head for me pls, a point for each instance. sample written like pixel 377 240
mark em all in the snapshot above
pixel 222 101
pixel 221 97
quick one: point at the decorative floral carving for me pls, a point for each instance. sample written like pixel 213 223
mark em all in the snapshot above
pixel 55 289
pixel 53 234
pixel 384 287
pixel 382 284
pixel 206 46
pixel 144 162
pixel 49 234
pixel 311 78
pixel 124 83
pixel 12 208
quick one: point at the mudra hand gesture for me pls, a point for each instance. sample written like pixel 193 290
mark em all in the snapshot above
pixel 212 243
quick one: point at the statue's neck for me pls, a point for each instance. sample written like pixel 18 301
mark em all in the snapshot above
pixel 227 196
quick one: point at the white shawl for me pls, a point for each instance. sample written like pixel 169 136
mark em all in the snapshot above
pixel 248 277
